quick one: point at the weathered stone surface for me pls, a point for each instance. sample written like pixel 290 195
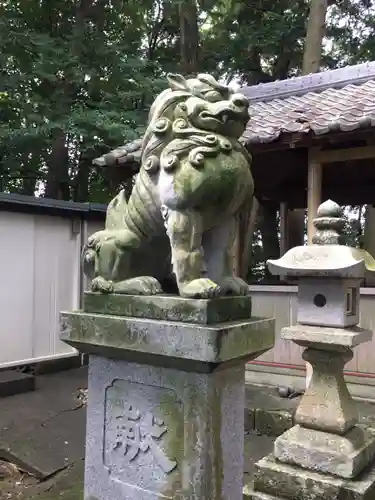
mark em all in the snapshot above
pixel 327 404
pixel 117 336
pixel 249 494
pixel 343 456
pixel 159 433
pixel 272 422
pixel 267 399
pixel 333 305
pixel 317 261
pixel 273 413
pixel 326 337
pixel 170 307
pixel 193 183
pixel 274 480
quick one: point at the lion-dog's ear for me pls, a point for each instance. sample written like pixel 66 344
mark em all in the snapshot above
pixel 212 82
pixel 176 81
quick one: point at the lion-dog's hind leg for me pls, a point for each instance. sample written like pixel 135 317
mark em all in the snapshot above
pixel 107 256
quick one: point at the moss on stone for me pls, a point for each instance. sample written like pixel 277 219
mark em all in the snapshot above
pixel 170 307
pixel 207 344
pixel 172 413
pixel 217 416
pixel 246 338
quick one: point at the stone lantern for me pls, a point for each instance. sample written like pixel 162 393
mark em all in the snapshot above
pixel 327 454
pixel 329 275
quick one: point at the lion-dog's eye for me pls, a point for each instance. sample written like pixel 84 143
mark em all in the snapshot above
pixel 213 96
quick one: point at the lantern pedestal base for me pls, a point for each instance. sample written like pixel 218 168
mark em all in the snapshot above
pixel 327 405
pixel 277 481
pixel 343 456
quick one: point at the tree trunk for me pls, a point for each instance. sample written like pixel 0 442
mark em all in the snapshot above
pixel 311 64
pixel 248 235
pixel 81 188
pixel 29 177
pixel 189 36
pixel 314 37
pixel 58 182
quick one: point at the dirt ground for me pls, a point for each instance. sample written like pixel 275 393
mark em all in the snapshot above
pixel 68 484
pixel 65 485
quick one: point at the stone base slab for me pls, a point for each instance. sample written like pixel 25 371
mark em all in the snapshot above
pixel 256 495
pixel 274 480
pixel 326 337
pixel 170 307
pixel 186 346
pixel 344 456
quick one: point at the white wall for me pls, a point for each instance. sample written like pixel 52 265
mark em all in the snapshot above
pixel 40 276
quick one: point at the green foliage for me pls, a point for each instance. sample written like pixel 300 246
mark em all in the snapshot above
pixel 76 85
pixel 350 31
pixel 257 41
pixel 78 76
pixel 257 272
pixel 354 229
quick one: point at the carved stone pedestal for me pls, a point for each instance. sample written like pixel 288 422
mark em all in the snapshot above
pixel 288 482
pixel 326 437
pixel 326 454
pixel 166 396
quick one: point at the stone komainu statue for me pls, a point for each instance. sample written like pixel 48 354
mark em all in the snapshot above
pixel 180 220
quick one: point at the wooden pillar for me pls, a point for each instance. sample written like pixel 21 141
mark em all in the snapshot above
pixel 369 239
pixel 314 199
pixel 369 230
pixel 314 193
pixel 245 260
pixel 283 228
pixel 246 226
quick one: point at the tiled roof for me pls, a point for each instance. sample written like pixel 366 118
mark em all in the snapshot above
pixel 333 110
pixel 330 101
pixel 130 153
